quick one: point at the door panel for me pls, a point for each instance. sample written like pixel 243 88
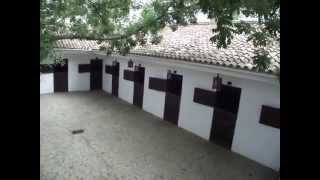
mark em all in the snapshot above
pixel 60 77
pixel 84 68
pixel 228 98
pixel 172 99
pixel 138 87
pixel 115 79
pixel 204 97
pixel 138 95
pixel 225 116
pixel 171 108
pixel 128 75
pixel 96 74
pixel 174 84
pixel 157 84
pixel 223 126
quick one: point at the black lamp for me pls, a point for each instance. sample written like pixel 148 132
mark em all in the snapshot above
pixel 136 68
pixel 169 74
pixel 130 63
pixel 217 83
pixel 114 62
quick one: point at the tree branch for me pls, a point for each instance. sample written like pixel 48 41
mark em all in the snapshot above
pixel 115 37
pixel 112 37
pixel 88 37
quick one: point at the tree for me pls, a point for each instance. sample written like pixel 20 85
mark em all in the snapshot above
pixel 108 22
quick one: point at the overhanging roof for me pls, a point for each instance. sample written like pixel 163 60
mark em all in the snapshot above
pixel 192 43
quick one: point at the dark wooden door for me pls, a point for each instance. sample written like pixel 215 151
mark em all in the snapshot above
pixel 115 79
pixel 172 99
pixel 60 77
pixel 228 98
pixel 225 116
pixel 138 86
pixel 96 74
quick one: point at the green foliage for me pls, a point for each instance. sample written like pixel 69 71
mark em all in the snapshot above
pixel 243 27
pixel 223 32
pixel 262 60
pixel 156 39
pixel 107 21
pixel 258 39
pixel 261 34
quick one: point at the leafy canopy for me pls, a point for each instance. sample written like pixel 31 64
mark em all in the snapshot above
pixel 110 22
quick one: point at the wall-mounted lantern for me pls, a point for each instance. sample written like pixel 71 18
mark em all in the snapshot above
pixel 169 74
pixel 217 83
pixel 114 62
pixel 130 63
pixel 136 68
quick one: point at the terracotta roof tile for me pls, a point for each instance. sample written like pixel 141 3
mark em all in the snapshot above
pixel 77 44
pixel 192 43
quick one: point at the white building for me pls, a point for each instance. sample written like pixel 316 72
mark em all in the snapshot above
pixel 243 116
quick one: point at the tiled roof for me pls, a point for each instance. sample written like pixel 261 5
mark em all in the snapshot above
pixel 77 44
pixel 192 43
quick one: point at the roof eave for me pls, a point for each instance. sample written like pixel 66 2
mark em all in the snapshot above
pixel 245 74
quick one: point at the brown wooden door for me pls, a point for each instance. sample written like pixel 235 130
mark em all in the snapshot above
pixel 96 74
pixel 172 99
pixel 115 79
pixel 223 126
pixel 138 86
pixel 60 77
pixel 225 116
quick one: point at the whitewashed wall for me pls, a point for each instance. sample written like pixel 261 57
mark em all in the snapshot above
pixel 251 139
pixel 153 101
pixel 46 83
pixel 125 87
pixel 195 117
pixel 78 81
pixel 106 78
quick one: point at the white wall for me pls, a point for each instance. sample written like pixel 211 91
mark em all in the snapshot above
pixel 195 117
pixel 153 101
pixel 251 139
pixel 78 81
pixel 106 78
pixel 46 83
pixel 125 86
